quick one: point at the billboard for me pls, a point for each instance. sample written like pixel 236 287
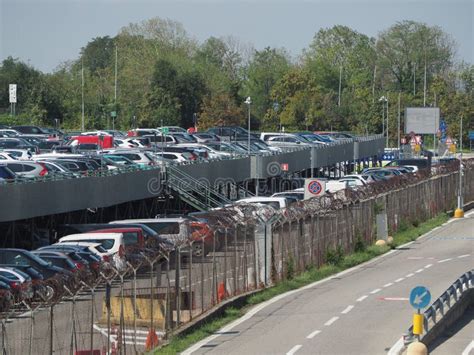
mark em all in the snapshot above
pixel 12 91
pixel 422 120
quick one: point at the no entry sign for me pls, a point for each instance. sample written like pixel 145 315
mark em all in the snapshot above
pixel 314 187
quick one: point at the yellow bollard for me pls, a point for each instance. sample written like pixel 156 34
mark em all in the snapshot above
pixel 417 324
pixel 458 213
pixel 417 348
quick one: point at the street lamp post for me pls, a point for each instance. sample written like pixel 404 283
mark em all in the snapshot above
pixel 384 100
pixel 248 101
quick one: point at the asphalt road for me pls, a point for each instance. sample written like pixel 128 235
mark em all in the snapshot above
pixel 363 311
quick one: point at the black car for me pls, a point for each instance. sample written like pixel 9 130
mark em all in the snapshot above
pixel 20 257
pixel 29 130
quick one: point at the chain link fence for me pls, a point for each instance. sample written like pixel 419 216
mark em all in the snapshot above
pixel 131 309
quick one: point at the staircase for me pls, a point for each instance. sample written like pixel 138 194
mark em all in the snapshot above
pixel 196 193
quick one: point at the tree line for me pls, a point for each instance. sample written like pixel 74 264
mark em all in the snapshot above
pixel 154 73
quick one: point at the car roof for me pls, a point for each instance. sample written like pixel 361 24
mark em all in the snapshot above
pixel 85 236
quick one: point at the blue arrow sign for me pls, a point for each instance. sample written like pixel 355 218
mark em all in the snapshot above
pixel 420 297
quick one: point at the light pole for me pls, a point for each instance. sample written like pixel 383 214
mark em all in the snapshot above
pixel 459 212
pixel 384 100
pixel 248 101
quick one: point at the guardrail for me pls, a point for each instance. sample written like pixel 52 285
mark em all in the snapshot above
pixel 438 309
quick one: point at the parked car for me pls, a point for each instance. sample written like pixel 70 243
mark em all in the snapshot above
pixel 275 202
pixel 178 230
pixel 30 130
pixel 19 282
pixel 29 169
pixel 206 137
pixel 114 243
pixel 136 156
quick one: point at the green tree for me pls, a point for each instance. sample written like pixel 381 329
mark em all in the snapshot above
pixel 263 72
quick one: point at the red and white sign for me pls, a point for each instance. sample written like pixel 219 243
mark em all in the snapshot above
pixel 449 140
pixel 313 188
pixel 284 166
pixel 418 139
pixel 403 141
pixel 412 141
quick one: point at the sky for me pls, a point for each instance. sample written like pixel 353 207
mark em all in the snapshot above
pixel 45 33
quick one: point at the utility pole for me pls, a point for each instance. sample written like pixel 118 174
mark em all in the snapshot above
pixel 414 79
pixel 398 126
pixel 459 212
pixel 424 85
pixel 115 89
pixel 340 84
pixel 82 94
pixel 387 120
pixel 373 83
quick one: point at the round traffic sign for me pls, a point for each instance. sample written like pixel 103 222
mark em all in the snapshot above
pixel 420 297
pixel 315 187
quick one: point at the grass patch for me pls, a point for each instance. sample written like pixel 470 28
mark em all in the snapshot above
pixel 406 234
pixel 410 233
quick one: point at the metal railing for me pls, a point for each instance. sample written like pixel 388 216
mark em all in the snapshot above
pixel 197 193
pixel 438 309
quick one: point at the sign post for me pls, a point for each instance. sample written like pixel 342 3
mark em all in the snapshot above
pixel 313 188
pixel 420 297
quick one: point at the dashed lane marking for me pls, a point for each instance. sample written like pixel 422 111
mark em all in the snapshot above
pixel 348 309
pixel 331 321
pixel 388 285
pixel 360 299
pixel 375 291
pixel 400 279
pixel 294 349
pixel 313 334
pixel 444 260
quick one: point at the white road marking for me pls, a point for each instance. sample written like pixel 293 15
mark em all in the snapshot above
pixel 348 309
pixel 331 321
pixel 419 270
pixel 393 299
pixel 464 256
pixel 375 291
pixel 444 260
pixel 428 266
pixel 400 279
pixel 388 285
pixel 313 334
pixel 360 299
pixel 410 275
pixel 415 258
pixel 265 304
pixel 468 349
pixel 294 349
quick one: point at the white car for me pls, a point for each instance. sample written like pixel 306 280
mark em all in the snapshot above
pixel 20 154
pixel 353 182
pixel 362 177
pixel 137 156
pixel 114 243
pixel 275 202
pixel 212 153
